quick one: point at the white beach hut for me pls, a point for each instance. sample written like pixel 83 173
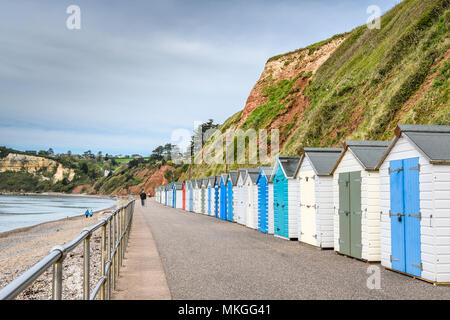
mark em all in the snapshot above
pixel 251 189
pixel 204 196
pixel 316 210
pixel 196 184
pixel 233 177
pixel 170 195
pixel 240 202
pixel 178 187
pixel 415 202
pixel 356 190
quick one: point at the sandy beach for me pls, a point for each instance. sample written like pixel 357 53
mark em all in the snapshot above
pixel 22 248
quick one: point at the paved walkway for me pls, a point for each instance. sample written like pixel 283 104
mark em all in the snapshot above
pixel 206 258
pixel 142 277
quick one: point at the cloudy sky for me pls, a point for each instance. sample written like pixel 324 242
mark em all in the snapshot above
pixel 138 70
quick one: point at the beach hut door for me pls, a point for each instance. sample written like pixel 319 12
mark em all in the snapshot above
pixel 350 214
pixel 308 207
pixel 263 194
pixel 230 208
pixel 405 216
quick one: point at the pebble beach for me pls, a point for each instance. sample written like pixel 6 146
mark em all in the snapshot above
pixel 22 248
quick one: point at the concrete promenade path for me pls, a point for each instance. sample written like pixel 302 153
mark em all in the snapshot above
pixel 207 258
pixel 142 277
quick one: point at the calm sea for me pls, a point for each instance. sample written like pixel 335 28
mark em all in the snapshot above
pixel 23 211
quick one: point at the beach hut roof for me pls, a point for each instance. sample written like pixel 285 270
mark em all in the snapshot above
pixel 367 153
pixel 244 171
pixel 224 177
pixel 205 182
pixel 253 175
pixel 234 175
pixel 432 140
pixel 267 172
pixel 289 165
pixel 178 185
pixel 211 180
pixel 323 160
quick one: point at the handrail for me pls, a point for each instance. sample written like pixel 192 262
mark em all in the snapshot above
pixel 118 223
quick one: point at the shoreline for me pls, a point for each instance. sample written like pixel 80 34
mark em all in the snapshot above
pixel 23 247
pixel 116 198
pixel 60 194
pixel 5 234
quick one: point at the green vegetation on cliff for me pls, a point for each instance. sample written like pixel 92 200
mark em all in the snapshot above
pixel 374 80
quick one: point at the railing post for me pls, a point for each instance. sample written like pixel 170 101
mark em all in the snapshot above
pixel 113 224
pixel 103 261
pixel 122 246
pixel 109 258
pixel 86 275
pixel 57 275
pixel 118 245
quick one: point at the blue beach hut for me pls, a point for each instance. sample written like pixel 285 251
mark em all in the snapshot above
pixel 232 180
pixel 265 199
pixel 223 182
pixel 217 196
pixel 286 190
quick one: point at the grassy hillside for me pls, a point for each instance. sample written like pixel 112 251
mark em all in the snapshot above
pixel 378 78
pixel 372 81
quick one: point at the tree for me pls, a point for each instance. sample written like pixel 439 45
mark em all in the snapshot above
pixel 157 154
pixel 200 132
pixel 50 152
pixel 167 151
pixel 88 155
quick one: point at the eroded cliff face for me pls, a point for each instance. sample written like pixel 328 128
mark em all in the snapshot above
pixel 46 169
pixel 287 67
pixel 151 178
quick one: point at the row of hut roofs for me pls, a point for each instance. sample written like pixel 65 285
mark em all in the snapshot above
pixel 385 201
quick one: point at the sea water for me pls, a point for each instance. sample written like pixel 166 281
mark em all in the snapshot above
pixel 18 211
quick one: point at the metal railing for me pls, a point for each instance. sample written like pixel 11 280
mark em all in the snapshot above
pixel 118 224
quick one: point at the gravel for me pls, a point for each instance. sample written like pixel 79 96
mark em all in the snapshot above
pixel 21 249
pixel 206 258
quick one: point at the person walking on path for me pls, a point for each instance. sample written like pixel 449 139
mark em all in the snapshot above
pixel 92 213
pixel 87 213
pixel 143 196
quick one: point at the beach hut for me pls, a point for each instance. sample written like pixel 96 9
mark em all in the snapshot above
pixel 223 185
pixel 197 196
pixel 241 198
pixel 204 196
pixel 170 195
pixel 415 202
pixel 231 190
pixel 217 196
pixel 265 199
pixel 163 195
pixel 159 196
pixel 251 189
pixel 168 192
pixel 356 190
pixel 285 194
pixel 178 200
pixel 191 196
pixel 174 195
pixel 316 210
pixel 211 181
pixel 184 196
